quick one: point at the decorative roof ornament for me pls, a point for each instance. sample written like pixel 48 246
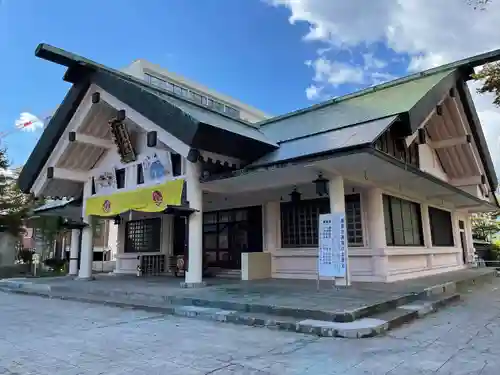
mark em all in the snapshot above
pixel 121 138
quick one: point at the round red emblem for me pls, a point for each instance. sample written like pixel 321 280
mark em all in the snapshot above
pixel 106 206
pixel 157 197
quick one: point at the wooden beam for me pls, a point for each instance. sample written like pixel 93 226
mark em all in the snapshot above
pixel 456 114
pixel 90 140
pixel 450 142
pixel 66 174
pixel 411 138
pixel 466 181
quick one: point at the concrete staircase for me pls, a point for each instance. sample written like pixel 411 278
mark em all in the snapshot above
pixel 366 321
pixel 228 274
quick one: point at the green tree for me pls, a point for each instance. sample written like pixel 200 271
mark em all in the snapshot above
pixel 14 205
pixel 479 4
pixel 490 77
pixel 485 225
pixel 490 73
pixel 46 229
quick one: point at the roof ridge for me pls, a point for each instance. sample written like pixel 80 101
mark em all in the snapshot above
pixel 351 95
pixel 471 62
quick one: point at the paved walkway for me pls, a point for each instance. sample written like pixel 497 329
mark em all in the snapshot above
pixel 295 294
pixel 44 336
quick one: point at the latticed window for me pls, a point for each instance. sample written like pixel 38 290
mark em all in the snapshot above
pixel 143 236
pixel 354 220
pixel 299 221
pixel 403 222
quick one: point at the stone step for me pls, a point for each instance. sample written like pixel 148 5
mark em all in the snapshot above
pixel 254 308
pixel 359 328
pixel 418 309
pixel 228 274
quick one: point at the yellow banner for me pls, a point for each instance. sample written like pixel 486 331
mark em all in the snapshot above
pixel 148 199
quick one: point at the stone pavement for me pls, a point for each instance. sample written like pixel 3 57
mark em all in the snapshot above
pixel 363 310
pixel 45 336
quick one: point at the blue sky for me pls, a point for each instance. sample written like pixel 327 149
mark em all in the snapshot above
pixel 248 49
pixel 259 62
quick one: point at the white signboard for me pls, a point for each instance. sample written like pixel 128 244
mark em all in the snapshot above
pixel 332 255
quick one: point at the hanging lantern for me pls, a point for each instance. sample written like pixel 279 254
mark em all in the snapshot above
pixel 321 185
pixel 118 220
pixel 295 196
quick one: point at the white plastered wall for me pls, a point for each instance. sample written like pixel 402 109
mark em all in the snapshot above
pixel 368 263
pixel 429 162
pixel 126 263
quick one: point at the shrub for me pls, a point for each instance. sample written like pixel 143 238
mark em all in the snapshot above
pixel 56 264
pixel 25 256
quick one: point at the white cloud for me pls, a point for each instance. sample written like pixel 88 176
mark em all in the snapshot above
pixel 313 92
pixel 378 78
pixel 335 73
pixel 28 122
pixel 430 32
pixel 330 18
pixel 371 62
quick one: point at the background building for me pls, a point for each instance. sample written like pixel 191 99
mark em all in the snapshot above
pixel 195 92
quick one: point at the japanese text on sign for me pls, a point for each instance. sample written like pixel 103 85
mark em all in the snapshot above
pixel 332 255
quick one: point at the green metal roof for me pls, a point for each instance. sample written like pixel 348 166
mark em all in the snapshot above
pixel 354 109
pixel 335 140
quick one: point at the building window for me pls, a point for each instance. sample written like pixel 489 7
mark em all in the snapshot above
pixel 177 90
pixel 176 164
pixel 98 228
pixel 155 81
pixel 169 86
pixel 299 221
pixel 218 106
pixel 140 174
pixel 143 236
pixel 196 97
pixel 233 112
pixel 441 227
pixel 354 220
pixel 120 178
pixel 403 222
